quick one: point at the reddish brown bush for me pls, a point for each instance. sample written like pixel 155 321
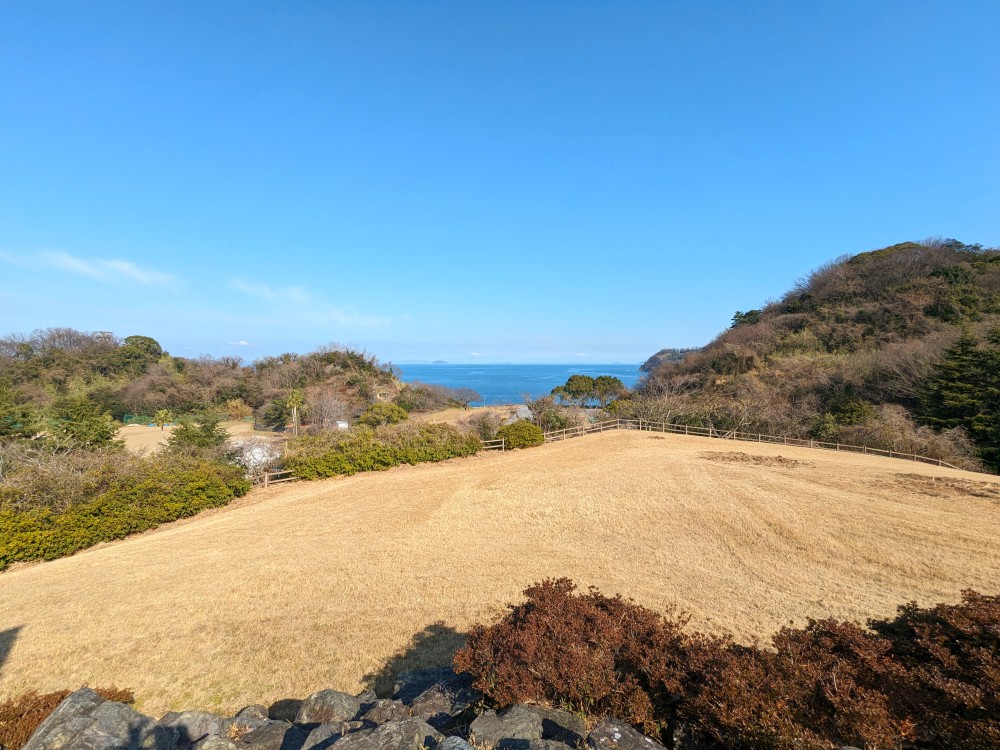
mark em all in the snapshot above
pixel 583 651
pixel 829 682
pixel 21 716
pixel 930 678
pixel 950 658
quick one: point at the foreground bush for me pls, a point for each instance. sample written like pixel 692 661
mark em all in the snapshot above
pixel 586 652
pixel 380 414
pixel 21 716
pixel 521 434
pixel 483 422
pixel 54 505
pixel 374 449
pixel 930 678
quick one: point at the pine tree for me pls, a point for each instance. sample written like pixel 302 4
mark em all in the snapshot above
pixel 964 391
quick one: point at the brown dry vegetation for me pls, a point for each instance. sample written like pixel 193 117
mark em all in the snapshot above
pixel 316 585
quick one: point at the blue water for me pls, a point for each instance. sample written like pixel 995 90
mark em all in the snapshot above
pixel 509 384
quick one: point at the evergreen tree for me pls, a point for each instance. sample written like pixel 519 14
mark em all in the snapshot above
pixel 78 422
pixel 964 391
pixel 17 419
pixel 197 433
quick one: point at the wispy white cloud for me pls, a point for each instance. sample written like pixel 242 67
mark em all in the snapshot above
pixel 305 307
pixel 239 343
pixel 475 354
pixel 105 270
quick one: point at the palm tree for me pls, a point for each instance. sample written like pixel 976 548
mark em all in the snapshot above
pixel 294 401
pixel 162 418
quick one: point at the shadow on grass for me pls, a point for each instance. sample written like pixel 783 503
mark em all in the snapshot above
pixel 434 646
pixel 7 638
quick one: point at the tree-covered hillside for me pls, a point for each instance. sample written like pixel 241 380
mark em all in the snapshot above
pixel 898 348
pixel 60 374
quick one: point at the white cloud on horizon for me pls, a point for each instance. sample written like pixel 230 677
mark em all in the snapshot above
pixel 305 307
pixel 105 270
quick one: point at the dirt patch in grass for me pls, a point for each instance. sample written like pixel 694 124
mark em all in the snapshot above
pixel 739 457
pixel 949 486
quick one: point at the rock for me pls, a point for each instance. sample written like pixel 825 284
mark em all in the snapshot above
pixel 277 735
pixel 325 735
pixel 532 745
pixel 453 743
pixel 213 742
pixel 384 710
pixel 438 696
pixel 367 696
pixel 611 734
pixel 241 726
pixel 327 707
pixel 411 734
pixel 86 721
pixel 517 723
pixel 192 726
pixel 256 711
pixel 443 703
pixel 284 710
pixel 561 726
pixel 409 685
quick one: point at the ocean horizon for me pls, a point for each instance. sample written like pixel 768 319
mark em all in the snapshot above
pixel 511 383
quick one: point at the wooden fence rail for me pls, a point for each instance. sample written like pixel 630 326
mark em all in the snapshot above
pixel 754 437
pixel 267 478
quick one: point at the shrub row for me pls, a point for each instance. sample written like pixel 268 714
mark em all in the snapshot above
pixel 928 678
pixel 107 503
pixel 374 449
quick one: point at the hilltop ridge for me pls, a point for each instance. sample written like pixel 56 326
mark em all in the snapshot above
pixel 897 347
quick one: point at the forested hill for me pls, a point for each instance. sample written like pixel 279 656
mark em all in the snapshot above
pixel 59 375
pixel 897 347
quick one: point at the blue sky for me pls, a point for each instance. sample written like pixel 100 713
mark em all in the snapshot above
pixel 474 181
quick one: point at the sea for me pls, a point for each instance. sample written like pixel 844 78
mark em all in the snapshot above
pixel 509 384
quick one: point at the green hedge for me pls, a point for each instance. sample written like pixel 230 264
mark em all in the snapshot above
pixel 367 449
pixel 171 490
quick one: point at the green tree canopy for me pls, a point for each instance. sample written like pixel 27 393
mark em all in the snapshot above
pixel 578 389
pixel 79 423
pixel 196 433
pixel 964 391
pixel 148 346
pixel 17 418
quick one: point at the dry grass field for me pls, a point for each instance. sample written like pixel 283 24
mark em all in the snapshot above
pixel 141 438
pixel 340 582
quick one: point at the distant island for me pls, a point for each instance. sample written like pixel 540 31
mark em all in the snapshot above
pixel 439 362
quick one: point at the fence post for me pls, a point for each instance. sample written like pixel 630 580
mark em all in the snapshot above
pixel 265 480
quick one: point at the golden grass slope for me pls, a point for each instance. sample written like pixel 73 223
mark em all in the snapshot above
pixel 315 585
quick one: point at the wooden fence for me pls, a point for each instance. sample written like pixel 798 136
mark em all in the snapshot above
pixel 267 478
pixel 753 437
